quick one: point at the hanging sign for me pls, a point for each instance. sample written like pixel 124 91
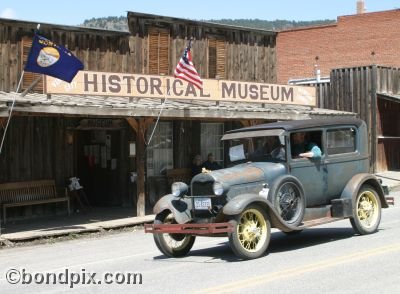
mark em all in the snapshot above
pixel 150 86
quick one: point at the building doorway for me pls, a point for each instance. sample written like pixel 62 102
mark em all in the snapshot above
pixel 98 160
pixel 388 156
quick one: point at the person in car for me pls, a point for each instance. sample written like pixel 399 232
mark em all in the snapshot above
pixel 301 147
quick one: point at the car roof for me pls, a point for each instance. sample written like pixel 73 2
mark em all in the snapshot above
pixel 293 125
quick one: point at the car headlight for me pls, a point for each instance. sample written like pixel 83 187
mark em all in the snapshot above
pixel 218 188
pixel 179 188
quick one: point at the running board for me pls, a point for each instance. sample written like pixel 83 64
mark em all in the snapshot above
pixel 318 221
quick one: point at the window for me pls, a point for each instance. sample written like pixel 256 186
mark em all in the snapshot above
pixel 302 142
pixel 158 51
pixel 160 150
pixel 211 134
pixel 216 58
pixel 341 141
pixel 29 77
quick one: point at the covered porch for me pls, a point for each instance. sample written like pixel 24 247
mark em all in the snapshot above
pixel 50 131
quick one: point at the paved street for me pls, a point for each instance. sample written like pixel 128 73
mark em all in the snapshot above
pixel 325 259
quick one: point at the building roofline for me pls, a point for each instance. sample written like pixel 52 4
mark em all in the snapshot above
pixel 366 14
pixel 339 18
pixel 171 19
pixel 366 65
pixel 305 28
pixel 63 27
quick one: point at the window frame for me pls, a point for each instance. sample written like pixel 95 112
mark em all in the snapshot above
pixel 29 77
pixel 212 149
pixel 219 43
pixel 150 156
pixel 322 145
pixel 355 149
pixel 156 35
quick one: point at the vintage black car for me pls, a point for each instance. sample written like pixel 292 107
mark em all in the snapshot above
pixel 288 175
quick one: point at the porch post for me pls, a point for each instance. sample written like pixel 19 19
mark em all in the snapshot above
pixel 140 126
pixel 140 162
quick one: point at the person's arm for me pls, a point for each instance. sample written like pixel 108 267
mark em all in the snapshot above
pixel 315 152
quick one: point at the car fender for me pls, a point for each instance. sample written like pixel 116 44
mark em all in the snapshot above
pixel 236 205
pixel 179 207
pixel 354 184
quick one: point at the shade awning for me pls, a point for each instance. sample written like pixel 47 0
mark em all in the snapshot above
pixel 100 106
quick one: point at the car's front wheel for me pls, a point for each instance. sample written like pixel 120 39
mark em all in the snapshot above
pixel 172 245
pixel 252 233
pixel 367 211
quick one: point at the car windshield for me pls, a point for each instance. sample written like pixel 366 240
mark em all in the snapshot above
pixel 268 148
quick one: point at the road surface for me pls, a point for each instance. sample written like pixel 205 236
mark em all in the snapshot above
pixel 324 259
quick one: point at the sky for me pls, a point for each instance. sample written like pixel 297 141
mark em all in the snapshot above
pixel 74 12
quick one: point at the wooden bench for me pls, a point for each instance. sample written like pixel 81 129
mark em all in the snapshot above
pixel 30 193
pixel 179 175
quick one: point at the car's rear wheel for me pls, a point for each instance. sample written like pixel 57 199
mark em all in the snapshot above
pixel 367 211
pixel 252 233
pixel 172 245
pixel 287 197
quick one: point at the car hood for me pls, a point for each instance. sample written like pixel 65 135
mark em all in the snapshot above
pixel 243 173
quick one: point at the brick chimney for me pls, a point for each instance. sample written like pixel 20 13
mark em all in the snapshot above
pixel 360 6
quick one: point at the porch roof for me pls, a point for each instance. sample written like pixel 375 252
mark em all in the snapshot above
pixel 149 107
pixel 390 96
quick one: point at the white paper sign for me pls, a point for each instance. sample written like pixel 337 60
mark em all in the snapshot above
pixel 236 153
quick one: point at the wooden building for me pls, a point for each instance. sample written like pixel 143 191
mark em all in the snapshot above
pixel 103 138
pixel 373 92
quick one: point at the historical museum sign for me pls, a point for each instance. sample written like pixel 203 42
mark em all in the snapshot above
pixel 151 86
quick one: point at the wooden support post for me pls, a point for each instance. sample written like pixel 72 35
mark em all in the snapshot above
pixel 133 123
pixel 374 111
pixel 140 162
pixel 140 126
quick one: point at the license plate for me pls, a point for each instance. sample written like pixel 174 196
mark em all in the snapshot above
pixel 202 203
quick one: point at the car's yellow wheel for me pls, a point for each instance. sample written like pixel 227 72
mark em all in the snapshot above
pixel 252 233
pixel 367 211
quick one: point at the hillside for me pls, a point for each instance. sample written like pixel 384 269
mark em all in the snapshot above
pixel 119 23
pixel 270 25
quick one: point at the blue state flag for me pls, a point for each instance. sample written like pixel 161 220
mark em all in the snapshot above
pixel 46 57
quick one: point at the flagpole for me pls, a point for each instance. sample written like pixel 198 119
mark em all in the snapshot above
pixel 11 110
pixel 158 118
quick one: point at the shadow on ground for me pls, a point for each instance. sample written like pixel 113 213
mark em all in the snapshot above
pixel 280 242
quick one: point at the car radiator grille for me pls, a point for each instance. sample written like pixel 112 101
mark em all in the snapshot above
pixel 206 190
pixel 202 189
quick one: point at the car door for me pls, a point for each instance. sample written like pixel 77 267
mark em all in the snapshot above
pixel 343 159
pixel 312 173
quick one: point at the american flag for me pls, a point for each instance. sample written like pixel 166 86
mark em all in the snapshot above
pixel 185 69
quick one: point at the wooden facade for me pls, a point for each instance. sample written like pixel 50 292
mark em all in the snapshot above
pixel 219 51
pixel 60 136
pixel 374 93
pixel 98 49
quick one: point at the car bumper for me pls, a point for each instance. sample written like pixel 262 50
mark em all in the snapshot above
pixel 191 229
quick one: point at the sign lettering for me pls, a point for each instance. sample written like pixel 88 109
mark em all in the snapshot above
pixel 151 86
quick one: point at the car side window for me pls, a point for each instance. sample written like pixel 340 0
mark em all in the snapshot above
pixel 341 141
pixel 310 141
